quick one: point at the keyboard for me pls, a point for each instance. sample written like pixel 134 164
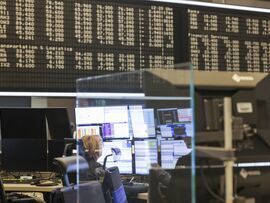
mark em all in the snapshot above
pixel 136 184
pixel 25 177
pixel 17 181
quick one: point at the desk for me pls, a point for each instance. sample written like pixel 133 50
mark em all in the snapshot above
pixel 46 190
pixel 143 196
pixel 29 188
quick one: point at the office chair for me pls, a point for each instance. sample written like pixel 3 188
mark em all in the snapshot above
pixel 72 144
pixel 15 197
pixel 72 192
pixel 156 182
pixel 113 188
pixel 68 165
pixel 83 193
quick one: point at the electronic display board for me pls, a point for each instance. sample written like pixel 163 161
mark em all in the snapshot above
pixel 228 40
pixel 45 45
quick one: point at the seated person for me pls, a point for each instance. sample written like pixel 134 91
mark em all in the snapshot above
pixel 166 181
pixel 93 150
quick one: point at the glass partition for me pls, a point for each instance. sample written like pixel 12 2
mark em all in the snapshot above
pixel 136 132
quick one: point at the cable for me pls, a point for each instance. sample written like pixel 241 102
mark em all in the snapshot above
pixel 216 196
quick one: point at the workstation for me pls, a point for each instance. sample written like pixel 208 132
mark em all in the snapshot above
pixel 176 91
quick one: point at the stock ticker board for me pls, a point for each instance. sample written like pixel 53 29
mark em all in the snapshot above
pixel 45 45
pixel 229 40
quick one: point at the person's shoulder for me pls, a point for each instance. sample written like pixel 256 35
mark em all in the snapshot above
pixel 95 164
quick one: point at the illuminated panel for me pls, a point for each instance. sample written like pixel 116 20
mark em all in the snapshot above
pixel 45 45
pixel 228 40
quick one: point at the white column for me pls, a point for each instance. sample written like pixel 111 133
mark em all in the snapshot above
pixel 228 140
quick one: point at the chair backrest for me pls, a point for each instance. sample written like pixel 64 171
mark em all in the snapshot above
pixel 82 193
pixel 73 144
pixel 154 192
pixel 70 164
pixel 113 187
pixel 69 147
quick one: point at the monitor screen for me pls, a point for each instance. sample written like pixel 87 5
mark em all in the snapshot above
pixel 24 139
pixel 167 116
pixel 111 122
pixel 171 151
pixel 145 155
pixel 88 130
pixel 177 130
pixel 184 115
pixel 55 149
pixel 175 123
pixel 142 122
pixel 58 123
pixel 24 154
pixel 125 162
pixel 23 123
pixel 89 115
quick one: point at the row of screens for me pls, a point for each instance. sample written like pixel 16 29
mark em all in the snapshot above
pixel 30 154
pixel 30 123
pixel 25 130
pixel 116 122
pixel 134 159
pixel 145 154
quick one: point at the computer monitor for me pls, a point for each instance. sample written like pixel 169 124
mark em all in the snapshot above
pixel 55 149
pixel 176 130
pixel 184 114
pixel 23 123
pixel 171 151
pixel 58 123
pixel 125 162
pixel 250 105
pixel 112 122
pixel 167 116
pixel 142 122
pixel 83 130
pixel 24 154
pixel 250 184
pixel 209 94
pixel 24 140
pixel 146 153
pixel 175 122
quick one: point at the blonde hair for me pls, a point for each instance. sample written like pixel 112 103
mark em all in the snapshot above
pixel 94 144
